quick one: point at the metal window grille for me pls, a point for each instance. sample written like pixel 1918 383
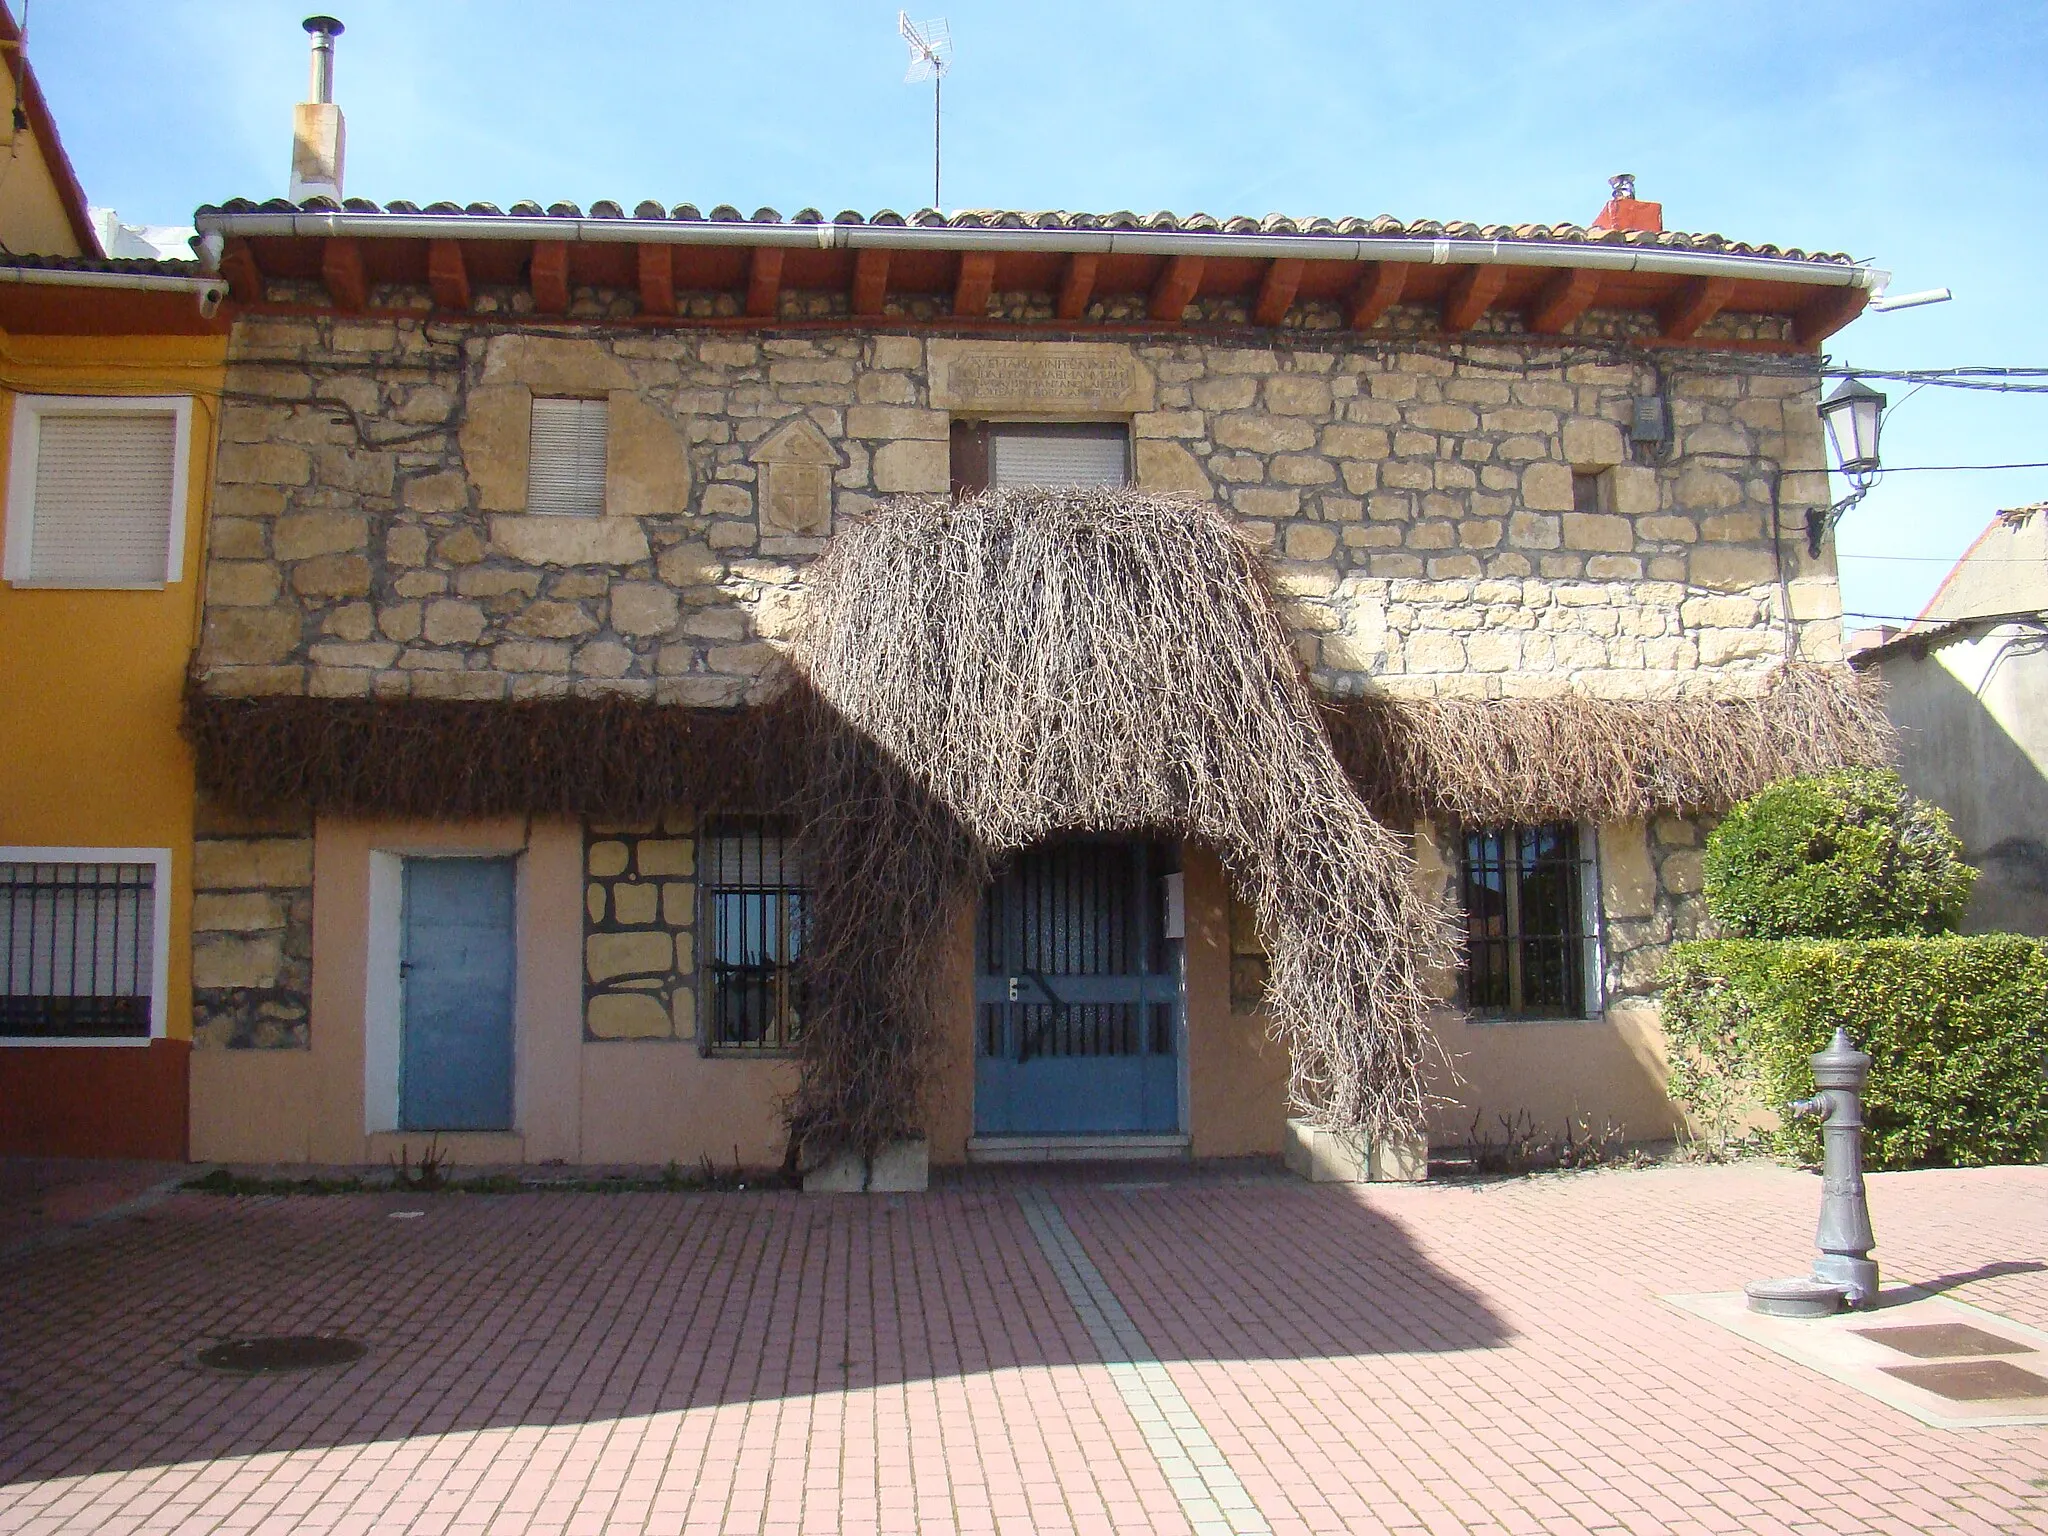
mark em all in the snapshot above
pixel 754 904
pixel 1060 453
pixel 79 950
pixel 566 456
pixel 102 500
pixel 1530 949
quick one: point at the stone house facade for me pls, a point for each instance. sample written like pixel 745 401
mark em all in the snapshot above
pixel 1486 467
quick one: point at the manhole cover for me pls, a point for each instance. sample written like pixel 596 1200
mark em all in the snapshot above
pixel 279 1353
pixel 1974 1381
pixel 1943 1341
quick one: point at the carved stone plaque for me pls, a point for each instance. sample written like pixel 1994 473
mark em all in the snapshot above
pixel 796 480
pixel 1038 377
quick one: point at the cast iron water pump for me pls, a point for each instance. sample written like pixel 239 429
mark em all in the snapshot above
pixel 1844 1270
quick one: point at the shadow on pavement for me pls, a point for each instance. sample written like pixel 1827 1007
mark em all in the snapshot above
pixel 486 1311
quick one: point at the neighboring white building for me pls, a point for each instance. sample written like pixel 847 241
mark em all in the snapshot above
pixel 1968 682
pixel 152 242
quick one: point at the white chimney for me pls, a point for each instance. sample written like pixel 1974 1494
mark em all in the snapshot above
pixel 317 134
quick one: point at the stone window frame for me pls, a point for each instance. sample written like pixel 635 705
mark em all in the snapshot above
pixel 30 411
pixel 1592 926
pixel 708 888
pixel 162 893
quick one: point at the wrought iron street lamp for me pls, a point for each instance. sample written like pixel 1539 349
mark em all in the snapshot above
pixel 1854 415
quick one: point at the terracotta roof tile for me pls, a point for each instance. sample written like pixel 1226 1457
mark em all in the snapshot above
pixel 985 218
pixel 142 265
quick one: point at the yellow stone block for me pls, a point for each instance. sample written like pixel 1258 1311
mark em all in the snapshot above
pixel 606 859
pixel 627 1016
pixel 633 902
pixel 627 954
pixel 667 856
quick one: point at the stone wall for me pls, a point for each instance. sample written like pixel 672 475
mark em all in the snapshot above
pixel 370 532
pixel 639 931
pixel 252 931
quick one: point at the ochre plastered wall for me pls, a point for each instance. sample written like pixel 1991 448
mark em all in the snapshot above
pixel 33 220
pixel 90 753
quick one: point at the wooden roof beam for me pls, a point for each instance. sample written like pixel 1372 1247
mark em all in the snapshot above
pixel 1472 294
pixel 1561 300
pixel 1827 314
pixel 245 277
pixel 1175 289
pixel 1378 291
pixel 870 280
pixel 971 289
pixel 448 275
pixel 1077 285
pixel 764 282
pixel 656 265
pixel 1277 289
pixel 1693 306
pixel 548 276
pixel 341 269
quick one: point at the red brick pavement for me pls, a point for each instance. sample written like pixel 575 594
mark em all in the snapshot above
pixel 1489 1358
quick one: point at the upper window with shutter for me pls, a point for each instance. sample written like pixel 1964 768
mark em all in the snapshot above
pixel 96 491
pixel 1059 453
pixel 987 453
pixel 565 469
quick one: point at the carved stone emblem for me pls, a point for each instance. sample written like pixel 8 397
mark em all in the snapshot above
pixel 796 465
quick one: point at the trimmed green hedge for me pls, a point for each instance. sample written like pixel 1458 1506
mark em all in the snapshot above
pixel 1957 1029
pixel 1845 855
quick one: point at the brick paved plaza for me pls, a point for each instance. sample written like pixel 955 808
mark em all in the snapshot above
pixel 1129 1350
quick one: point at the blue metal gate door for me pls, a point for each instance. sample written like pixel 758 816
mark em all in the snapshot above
pixel 457 960
pixel 1076 1003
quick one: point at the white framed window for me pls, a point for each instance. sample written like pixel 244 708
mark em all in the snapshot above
pixel 96 490
pixel 1059 453
pixel 85 945
pixel 566 456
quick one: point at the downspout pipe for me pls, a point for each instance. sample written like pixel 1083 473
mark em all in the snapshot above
pixel 1121 242
pixel 209 291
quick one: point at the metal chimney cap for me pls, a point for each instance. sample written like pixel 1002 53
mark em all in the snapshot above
pixel 323 26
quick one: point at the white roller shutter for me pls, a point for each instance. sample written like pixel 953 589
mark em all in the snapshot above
pixel 565 472
pixel 1079 454
pixel 102 512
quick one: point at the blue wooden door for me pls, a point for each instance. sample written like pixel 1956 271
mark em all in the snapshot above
pixel 457 960
pixel 1076 1001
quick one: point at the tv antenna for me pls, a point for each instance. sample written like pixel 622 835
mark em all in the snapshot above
pixel 931 55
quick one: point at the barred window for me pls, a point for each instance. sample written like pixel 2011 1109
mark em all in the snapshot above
pixel 754 914
pixel 78 950
pixel 1531 938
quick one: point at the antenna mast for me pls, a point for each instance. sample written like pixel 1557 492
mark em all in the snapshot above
pixel 931 54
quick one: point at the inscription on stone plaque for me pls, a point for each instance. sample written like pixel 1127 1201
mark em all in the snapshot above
pixel 796 466
pixel 1038 377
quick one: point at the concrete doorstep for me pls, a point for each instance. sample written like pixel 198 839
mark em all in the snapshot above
pixel 900 1168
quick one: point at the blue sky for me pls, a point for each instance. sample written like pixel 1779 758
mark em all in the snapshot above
pixel 1911 134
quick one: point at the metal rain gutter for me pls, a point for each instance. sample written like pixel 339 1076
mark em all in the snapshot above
pixel 209 291
pixel 1142 242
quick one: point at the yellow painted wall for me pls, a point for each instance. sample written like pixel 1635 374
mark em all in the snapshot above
pixel 90 753
pixel 32 219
